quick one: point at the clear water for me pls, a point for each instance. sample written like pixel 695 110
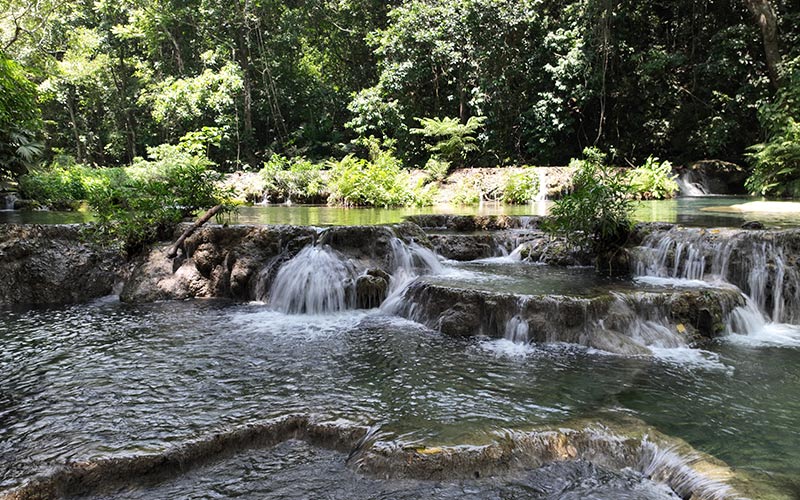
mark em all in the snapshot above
pixel 684 211
pixel 107 378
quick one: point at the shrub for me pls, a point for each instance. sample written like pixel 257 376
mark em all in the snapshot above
pixel 455 140
pixel 467 192
pixel 520 187
pixel 437 169
pixel 63 187
pixel 596 215
pixel 147 199
pixel 652 181
pixel 378 182
pixel 293 179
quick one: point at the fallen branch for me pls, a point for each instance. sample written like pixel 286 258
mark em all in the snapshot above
pixel 173 250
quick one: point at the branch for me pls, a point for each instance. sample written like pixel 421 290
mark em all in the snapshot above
pixel 173 250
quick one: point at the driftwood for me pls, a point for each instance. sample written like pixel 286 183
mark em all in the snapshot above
pixel 173 250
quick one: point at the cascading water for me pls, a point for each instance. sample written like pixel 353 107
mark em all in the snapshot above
pixel 541 195
pixel 315 281
pixel 517 330
pixel 754 262
pixel 321 280
pixel 8 201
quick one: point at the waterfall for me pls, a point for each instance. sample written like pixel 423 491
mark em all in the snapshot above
pixel 541 195
pixel 315 281
pixel 517 330
pixel 408 262
pixel 320 279
pixel 9 199
pixel 688 186
pixel 755 262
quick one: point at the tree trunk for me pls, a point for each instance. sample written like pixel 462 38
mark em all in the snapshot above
pixel 767 20
pixel 173 250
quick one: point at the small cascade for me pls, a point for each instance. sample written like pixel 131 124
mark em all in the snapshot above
pixel 688 185
pixel 517 330
pixel 755 262
pixel 323 279
pixel 7 201
pixel 315 281
pixel 541 195
pixel 409 261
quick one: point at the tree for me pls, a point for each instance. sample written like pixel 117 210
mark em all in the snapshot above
pixel 765 16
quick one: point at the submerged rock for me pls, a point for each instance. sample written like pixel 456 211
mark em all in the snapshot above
pixel 55 264
pixel 632 447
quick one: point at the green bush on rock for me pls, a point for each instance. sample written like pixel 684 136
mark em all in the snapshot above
pixel 378 182
pixel 520 187
pixel 293 180
pixel 147 199
pixel 596 215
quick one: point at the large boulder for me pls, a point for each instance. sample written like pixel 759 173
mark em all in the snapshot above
pixel 55 264
pixel 217 261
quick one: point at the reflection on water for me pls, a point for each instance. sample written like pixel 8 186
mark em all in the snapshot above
pixel 685 211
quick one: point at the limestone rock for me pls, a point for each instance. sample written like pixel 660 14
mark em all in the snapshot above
pixel 54 264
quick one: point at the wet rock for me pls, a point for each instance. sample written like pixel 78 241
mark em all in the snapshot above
pixel 470 223
pixel 241 262
pixel 545 249
pixel 620 322
pixel 218 261
pixel 711 177
pixel 753 224
pixel 464 247
pixel 371 288
pixel 635 447
pixel 55 264
pixel 763 264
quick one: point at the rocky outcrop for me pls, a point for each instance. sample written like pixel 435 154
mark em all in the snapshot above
pixel 711 177
pixel 241 262
pixel 55 264
pixel 625 323
pixel 217 261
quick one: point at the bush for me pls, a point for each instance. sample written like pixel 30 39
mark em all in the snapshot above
pixel 293 179
pixel 520 187
pixel 468 192
pixel 379 182
pixel 776 162
pixel 145 201
pixel 596 215
pixel 63 187
pixel 653 181
pixel 437 169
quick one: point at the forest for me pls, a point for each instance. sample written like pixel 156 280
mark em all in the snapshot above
pixel 107 83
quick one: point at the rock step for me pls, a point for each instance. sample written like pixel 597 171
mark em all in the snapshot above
pixel 618 322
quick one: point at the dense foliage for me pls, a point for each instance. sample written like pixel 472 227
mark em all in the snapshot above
pixel 19 119
pixel 652 181
pixel 495 83
pixel 777 160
